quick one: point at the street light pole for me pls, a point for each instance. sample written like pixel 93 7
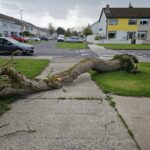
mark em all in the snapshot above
pixel 21 21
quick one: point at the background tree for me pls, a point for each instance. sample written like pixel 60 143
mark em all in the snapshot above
pixel 74 33
pixel 51 29
pixel 60 30
pixel 68 32
pixel 87 31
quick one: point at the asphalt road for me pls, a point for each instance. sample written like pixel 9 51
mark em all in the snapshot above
pixel 48 49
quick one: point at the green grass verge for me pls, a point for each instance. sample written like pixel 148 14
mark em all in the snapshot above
pixel 72 46
pixel 29 67
pixel 127 46
pixel 123 83
pixel 36 42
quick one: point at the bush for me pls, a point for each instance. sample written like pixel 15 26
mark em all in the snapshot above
pixel 97 37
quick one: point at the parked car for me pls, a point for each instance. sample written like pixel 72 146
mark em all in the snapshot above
pixel 32 38
pixel 9 45
pixel 44 38
pixel 61 38
pixel 19 38
pixel 74 39
pixel 51 38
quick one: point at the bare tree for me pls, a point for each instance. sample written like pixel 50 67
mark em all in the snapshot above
pixel 51 29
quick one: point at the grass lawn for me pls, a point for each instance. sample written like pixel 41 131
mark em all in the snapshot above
pixel 72 46
pixel 127 46
pixel 123 83
pixel 29 67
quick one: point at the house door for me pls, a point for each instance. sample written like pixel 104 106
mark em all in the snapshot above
pixel 131 35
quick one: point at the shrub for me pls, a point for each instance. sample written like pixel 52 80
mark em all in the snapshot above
pixel 97 37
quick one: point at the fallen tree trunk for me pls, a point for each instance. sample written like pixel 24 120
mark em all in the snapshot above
pixel 27 86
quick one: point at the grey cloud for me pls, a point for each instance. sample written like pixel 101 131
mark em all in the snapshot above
pixel 56 8
pixel 59 9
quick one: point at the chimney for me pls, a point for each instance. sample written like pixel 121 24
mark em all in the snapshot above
pixel 107 9
pixel 130 5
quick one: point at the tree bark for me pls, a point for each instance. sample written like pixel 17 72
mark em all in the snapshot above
pixel 27 86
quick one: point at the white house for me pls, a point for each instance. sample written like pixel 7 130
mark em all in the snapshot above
pixel 125 25
pixel 10 26
pixel 95 27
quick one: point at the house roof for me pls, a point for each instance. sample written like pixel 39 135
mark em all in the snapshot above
pixel 94 23
pixel 127 12
pixel 11 19
pixel 17 21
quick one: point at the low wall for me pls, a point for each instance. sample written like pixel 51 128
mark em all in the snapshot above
pixel 123 42
pixel 91 39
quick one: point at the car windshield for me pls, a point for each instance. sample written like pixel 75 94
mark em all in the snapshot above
pixel 13 41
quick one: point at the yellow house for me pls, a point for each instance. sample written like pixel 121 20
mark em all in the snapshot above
pixel 125 24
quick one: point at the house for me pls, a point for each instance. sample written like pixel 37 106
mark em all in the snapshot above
pixel 125 25
pixel 37 31
pixel 95 27
pixel 10 26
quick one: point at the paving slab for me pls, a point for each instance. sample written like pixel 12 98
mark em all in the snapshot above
pixel 78 118
pixel 63 124
pixel 136 113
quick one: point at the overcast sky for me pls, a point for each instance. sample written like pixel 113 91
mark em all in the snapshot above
pixel 65 13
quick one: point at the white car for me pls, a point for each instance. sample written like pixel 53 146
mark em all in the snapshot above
pixel 61 38
pixel 51 38
pixel 74 39
pixel 32 38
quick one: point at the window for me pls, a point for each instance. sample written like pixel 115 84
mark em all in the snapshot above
pixel 27 28
pixel 12 25
pixel 12 33
pixel 142 35
pixel 1 23
pixel 112 35
pixel 3 41
pixel 113 22
pixel 5 33
pixel 144 22
pixel 132 22
pixel 4 24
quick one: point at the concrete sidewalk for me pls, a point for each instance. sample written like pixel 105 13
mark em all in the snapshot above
pixel 77 118
pixel 109 54
pixel 102 52
pixel 136 113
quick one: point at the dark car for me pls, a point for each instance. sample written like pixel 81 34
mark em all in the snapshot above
pixel 44 38
pixel 9 45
